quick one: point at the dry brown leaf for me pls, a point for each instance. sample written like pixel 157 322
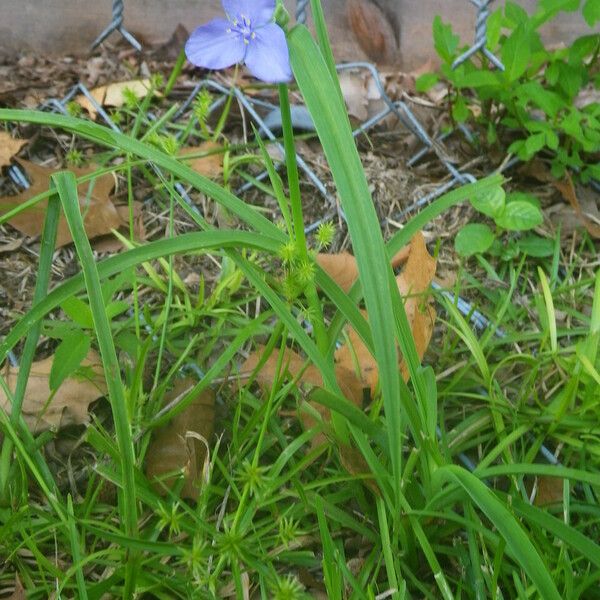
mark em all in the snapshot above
pixel 583 203
pixel 413 282
pixel 293 363
pixel 181 444
pixel 537 169
pixel 9 146
pixel 110 243
pixel 112 94
pixel 549 490
pixel 342 267
pixel 100 215
pixel 373 31
pixel 355 464
pixel 589 220
pixel 70 404
pixel 210 165
pixel 355 94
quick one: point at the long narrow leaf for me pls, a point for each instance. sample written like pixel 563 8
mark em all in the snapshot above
pixel 333 128
pixel 66 186
pixel 516 539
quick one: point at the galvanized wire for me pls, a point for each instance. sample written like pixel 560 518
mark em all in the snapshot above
pixel 301 10
pixel 117 25
pixel 480 43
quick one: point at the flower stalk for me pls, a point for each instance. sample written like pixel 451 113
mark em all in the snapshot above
pixel 310 290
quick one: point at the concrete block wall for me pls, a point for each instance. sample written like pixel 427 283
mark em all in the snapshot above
pixel 69 26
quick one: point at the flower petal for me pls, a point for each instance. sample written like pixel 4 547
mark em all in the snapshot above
pixel 215 45
pixel 267 56
pixel 259 12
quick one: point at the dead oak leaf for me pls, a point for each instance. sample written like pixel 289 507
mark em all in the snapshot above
pixel 100 215
pixel 206 159
pixel 68 406
pixel 9 146
pixel 413 282
pixel 353 357
pixel 111 243
pixel 549 490
pixel 343 269
pixel 112 95
pixel 294 367
pixel 181 446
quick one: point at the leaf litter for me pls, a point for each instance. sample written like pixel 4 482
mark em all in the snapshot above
pixel 180 449
pixel 113 95
pixel 45 409
pixel 9 146
pixel 100 214
pixel 205 158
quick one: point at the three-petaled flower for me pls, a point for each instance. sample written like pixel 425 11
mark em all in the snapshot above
pixel 248 36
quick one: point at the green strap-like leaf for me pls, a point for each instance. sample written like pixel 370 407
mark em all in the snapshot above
pixel 517 540
pixel 333 127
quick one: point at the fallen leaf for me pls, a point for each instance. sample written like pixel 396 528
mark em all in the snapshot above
pixel 589 218
pixel 362 95
pixel 182 444
pixel 537 169
pixel 342 267
pixel 373 31
pixel 110 243
pixel 100 215
pixel 293 364
pixel 210 165
pixel 111 95
pixel 352 358
pixel 355 464
pixel 582 200
pixel 355 94
pixel 70 404
pixel 413 281
pixel 549 490
pixel 9 146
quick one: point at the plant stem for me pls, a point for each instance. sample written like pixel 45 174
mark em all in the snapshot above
pixel 316 311
pixel 175 72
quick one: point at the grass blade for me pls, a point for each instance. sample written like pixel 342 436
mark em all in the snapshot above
pixel 66 186
pixel 333 128
pixel 516 539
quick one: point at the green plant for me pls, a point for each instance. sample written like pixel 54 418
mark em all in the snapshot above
pixel 513 212
pixel 529 108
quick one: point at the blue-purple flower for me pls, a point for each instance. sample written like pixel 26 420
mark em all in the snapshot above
pixel 248 36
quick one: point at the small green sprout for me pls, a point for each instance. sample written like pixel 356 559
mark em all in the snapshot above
pixel 74 157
